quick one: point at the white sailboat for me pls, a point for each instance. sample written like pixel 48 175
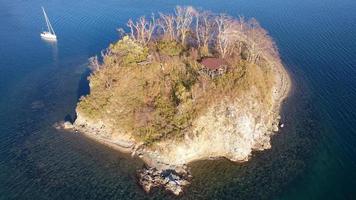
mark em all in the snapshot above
pixel 50 34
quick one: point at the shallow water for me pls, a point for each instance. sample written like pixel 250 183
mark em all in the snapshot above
pixel 313 158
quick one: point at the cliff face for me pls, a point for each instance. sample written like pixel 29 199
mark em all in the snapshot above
pixel 228 129
pixel 232 128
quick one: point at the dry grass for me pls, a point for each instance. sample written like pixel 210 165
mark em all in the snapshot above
pixel 161 98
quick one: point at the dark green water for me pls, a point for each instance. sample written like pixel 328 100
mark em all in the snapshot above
pixel 314 157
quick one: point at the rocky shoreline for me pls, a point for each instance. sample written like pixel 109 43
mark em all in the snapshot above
pixel 154 174
pixel 193 101
pixel 173 176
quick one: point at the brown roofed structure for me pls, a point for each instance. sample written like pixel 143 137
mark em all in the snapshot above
pixel 213 63
pixel 213 66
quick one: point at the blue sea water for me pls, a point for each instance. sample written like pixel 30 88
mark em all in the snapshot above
pixel 314 157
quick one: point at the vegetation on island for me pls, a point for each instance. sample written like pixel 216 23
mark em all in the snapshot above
pixel 150 83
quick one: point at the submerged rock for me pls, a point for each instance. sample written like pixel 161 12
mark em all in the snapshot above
pixel 36 105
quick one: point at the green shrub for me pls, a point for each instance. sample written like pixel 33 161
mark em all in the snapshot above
pixel 128 50
pixel 169 48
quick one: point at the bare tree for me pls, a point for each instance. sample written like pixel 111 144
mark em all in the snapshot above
pixel 225 35
pixel 204 29
pixel 142 30
pixel 239 34
pixel 94 63
pixel 167 24
pixel 259 43
pixel 121 32
pixel 229 36
pixel 184 19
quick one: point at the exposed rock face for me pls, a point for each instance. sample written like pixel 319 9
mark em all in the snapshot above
pixel 230 129
pixel 104 134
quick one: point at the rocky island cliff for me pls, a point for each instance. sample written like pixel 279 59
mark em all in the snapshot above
pixel 182 87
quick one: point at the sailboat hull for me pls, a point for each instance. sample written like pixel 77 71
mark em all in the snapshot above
pixel 48 36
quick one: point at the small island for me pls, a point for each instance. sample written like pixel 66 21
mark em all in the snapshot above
pixel 182 87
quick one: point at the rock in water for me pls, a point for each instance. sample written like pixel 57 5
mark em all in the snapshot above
pixel 169 179
pixel 63 125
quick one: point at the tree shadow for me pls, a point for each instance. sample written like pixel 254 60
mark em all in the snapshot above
pixel 82 90
pixel 83 85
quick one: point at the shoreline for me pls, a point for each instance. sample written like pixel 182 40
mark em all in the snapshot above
pixel 284 91
pixel 174 177
pixel 132 151
pixel 121 148
pixel 286 86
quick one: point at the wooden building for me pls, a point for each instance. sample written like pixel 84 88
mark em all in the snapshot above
pixel 213 67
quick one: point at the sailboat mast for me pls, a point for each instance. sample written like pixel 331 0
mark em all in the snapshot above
pixel 46 18
pixel 49 26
